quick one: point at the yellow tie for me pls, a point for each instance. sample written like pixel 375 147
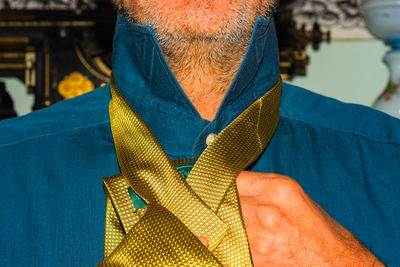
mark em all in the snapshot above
pixel 206 204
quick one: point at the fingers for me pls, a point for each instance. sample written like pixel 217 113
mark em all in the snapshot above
pixel 204 241
pixel 248 183
pixel 271 189
pixel 254 184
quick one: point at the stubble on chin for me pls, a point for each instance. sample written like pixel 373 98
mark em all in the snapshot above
pixel 197 20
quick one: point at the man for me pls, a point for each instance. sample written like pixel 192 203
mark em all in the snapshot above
pixel 191 73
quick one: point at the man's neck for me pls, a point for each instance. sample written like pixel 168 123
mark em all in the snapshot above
pixel 205 69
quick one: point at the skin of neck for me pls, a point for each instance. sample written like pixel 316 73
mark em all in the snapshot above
pixel 205 69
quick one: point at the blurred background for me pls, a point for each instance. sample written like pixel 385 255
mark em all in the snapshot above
pixel 51 50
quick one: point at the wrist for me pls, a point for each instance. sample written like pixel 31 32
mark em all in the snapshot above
pixel 354 253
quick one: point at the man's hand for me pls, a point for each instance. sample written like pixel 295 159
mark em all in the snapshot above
pixel 286 227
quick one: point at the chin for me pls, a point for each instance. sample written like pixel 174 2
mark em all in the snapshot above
pixel 195 18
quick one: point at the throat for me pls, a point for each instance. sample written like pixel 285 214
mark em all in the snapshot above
pixel 205 69
pixel 206 95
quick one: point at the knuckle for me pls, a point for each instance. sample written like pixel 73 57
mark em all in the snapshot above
pixel 262 247
pixel 269 216
pixel 287 189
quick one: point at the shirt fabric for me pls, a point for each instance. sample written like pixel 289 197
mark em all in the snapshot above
pixel 52 202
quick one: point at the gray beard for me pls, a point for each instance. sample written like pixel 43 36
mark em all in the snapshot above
pixel 226 49
pixel 163 35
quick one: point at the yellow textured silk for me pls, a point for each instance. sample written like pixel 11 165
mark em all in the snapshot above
pixel 164 233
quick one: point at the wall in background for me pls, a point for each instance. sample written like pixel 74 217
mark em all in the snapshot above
pixel 18 92
pixel 351 71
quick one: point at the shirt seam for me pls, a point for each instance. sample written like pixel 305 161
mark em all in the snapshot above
pixel 52 134
pixel 258 126
pixel 343 130
pixel 283 115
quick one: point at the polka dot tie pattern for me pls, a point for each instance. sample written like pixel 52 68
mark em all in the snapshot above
pixel 206 204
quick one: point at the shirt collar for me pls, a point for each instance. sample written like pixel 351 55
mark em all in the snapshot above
pixel 144 78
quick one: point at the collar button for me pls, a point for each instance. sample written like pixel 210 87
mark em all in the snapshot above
pixel 210 138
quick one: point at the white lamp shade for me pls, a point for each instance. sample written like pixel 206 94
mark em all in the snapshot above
pixel 382 17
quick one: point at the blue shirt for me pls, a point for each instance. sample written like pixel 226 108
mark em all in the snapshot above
pixel 52 203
